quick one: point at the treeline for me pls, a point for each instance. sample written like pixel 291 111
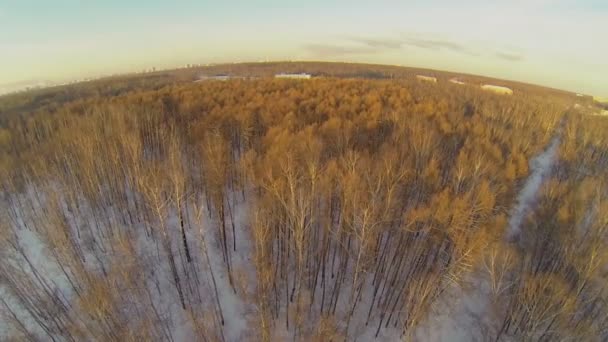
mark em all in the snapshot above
pixel 320 210
pixel 49 99
pixel 53 98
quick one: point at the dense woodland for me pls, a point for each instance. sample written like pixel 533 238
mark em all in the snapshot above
pixel 52 98
pixel 321 210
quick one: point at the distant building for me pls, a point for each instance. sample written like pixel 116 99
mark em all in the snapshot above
pixel 426 78
pixel 302 76
pixel 213 78
pixel 456 81
pixel 497 89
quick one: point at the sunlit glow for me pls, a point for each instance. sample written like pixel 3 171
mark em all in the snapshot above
pixel 554 43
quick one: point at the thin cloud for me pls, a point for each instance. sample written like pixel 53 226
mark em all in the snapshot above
pixel 354 45
pixel 438 44
pixel 375 45
pixel 512 57
pixel 382 43
pixel 409 40
pixel 435 44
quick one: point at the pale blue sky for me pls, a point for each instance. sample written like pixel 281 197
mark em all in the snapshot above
pixel 556 43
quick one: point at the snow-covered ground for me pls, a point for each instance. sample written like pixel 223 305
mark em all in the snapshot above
pixel 460 313
pixel 28 256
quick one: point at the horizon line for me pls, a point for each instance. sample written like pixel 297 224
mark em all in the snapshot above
pixel 83 79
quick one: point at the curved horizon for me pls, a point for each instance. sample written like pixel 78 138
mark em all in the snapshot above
pixel 549 43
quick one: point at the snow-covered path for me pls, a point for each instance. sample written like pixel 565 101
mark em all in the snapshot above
pixel 541 166
pixel 464 314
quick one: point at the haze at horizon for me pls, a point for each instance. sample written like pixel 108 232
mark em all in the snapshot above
pixel 552 43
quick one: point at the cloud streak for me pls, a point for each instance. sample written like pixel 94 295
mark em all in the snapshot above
pixel 381 43
pixel 377 45
pixel 512 57
pixel 421 41
pixel 437 44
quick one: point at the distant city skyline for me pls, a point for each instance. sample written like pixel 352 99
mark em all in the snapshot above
pixel 552 43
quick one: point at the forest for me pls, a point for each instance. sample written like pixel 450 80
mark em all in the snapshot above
pixel 330 209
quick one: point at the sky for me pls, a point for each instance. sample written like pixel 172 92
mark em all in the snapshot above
pixel 561 44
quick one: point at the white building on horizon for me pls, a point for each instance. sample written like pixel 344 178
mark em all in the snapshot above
pixel 426 78
pixel 497 89
pixel 301 76
pixel 213 78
